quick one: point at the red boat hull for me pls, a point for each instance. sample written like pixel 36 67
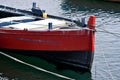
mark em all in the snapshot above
pixel 75 47
pixel 78 40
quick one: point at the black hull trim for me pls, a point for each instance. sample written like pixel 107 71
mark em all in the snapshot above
pixel 77 60
pixel 4 14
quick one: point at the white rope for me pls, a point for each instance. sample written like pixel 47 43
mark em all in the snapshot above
pixel 108 66
pixel 109 71
pixel 38 68
pixel 106 31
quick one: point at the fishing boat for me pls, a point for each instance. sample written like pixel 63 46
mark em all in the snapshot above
pixel 54 38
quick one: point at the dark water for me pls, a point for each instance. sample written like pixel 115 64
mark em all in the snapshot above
pixel 106 64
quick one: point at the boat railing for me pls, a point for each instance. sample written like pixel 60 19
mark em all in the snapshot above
pixel 1 6
pixel 5 8
pixel 37 15
pixel 10 9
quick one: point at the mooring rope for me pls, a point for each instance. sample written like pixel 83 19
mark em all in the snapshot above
pixel 108 66
pixel 106 62
pixel 35 67
pixel 109 32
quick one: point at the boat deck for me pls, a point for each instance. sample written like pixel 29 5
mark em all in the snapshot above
pixel 31 23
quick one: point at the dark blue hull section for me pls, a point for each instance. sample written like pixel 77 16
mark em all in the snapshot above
pixel 77 60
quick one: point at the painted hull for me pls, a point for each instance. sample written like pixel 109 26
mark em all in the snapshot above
pixel 75 47
pixel 47 40
pixel 74 60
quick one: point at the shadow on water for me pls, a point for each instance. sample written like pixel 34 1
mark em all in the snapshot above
pixel 16 70
pixel 83 5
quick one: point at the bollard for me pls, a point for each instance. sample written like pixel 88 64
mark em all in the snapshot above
pixel 92 22
pixel 50 26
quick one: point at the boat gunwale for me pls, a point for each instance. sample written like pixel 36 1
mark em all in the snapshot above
pixel 46 32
